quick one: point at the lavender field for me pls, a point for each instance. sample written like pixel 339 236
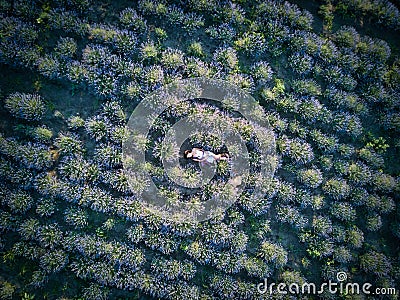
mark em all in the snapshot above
pixel 326 77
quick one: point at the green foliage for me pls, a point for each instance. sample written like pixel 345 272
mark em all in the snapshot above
pixel 378 144
pixel 46 207
pixel 25 106
pixel 310 177
pixel 250 42
pixel 76 217
pixel 384 12
pixel 342 254
pixel 154 75
pixel 7 290
pixel 359 173
pixel 386 205
pixel 279 87
pixel 227 58
pixel 132 20
pixel 306 87
pixel 371 157
pixel 256 267
pixel 291 215
pixel 66 48
pixel 27 296
pixel 384 182
pixel 347 37
pixel 376 263
pixel 262 72
pixel 336 188
pixel 160 33
pixel 171 58
pixel 50 235
pixel 173 269
pixel 373 222
pixel 271 252
pixel 96 128
pixel 69 144
pixel 392 76
pixel 343 211
pixel 326 11
pixel 135 234
pixel 148 52
pixel 48 66
pixel 53 261
pixel 354 237
pixel 29 229
pixel 41 134
pixel 290 277
pixel 19 201
pixel 322 225
pixel 95 292
pixel 196 49
pixel 75 122
pixel 39 278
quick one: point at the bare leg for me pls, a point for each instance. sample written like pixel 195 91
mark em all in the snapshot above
pixel 224 156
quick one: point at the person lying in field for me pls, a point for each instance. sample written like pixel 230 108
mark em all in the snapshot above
pixel 202 156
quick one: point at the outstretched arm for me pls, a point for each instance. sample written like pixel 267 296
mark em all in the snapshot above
pixel 199 160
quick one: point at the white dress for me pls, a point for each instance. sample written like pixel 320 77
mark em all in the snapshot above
pixel 209 157
pixel 199 154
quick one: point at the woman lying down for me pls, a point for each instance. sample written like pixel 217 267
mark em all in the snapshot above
pixel 202 156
